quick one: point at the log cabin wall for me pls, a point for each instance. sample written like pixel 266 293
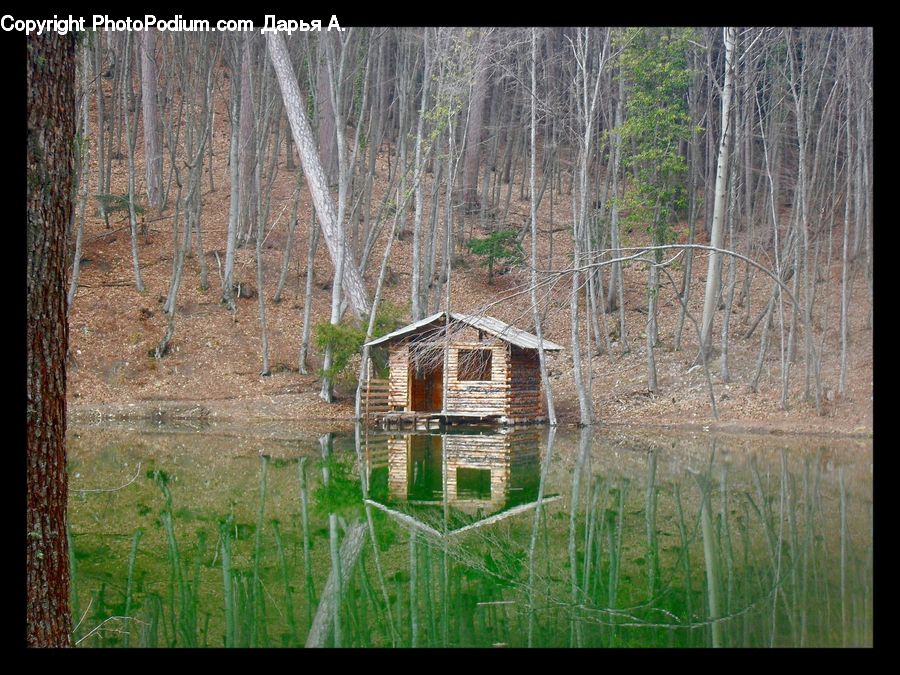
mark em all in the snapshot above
pixel 398 463
pixel 524 465
pixel 478 396
pixel 377 391
pixel 524 385
pixel 398 381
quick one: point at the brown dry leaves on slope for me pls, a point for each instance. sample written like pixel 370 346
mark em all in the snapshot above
pixel 215 358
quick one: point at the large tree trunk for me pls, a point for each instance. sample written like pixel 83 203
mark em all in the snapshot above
pixel 150 108
pixel 307 295
pixel 131 133
pixel 246 149
pixel 315 175
pixel 326 120
pixel 233 175
pixel 49 164
pixel 715 258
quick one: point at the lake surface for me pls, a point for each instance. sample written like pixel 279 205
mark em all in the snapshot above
pixel 268 535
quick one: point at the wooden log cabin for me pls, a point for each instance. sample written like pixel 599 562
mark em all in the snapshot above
pixel 492 374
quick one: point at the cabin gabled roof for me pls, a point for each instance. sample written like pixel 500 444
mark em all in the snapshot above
pixel 488 324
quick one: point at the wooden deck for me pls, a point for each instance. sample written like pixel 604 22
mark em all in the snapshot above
pixel 440 420
pixel 432 420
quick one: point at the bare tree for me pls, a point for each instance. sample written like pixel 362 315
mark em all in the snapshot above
pixel 153 159
pixel 535 311
pixel 616 283
pixel 83 171
pixel 195 72
pixel 590 63
pixel 128 104
pixel 102 126
pixel 418 307
pixel 714 267
pixel 313 245
pixel 234 176
pixel 472 163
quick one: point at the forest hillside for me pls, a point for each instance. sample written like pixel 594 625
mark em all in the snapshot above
pixel 203 281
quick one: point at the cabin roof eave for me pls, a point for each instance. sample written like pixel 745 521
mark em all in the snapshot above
pixel 488 324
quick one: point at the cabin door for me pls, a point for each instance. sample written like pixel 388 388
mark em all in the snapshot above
pixel 426 388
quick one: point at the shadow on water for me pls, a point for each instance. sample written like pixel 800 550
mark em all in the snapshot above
pixel 533 537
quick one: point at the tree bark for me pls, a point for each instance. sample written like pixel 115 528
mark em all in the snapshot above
pixel 49 165
pixel 313 244
pixel 246 149
pixel 152 135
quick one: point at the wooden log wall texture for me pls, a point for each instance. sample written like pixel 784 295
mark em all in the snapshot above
pixel 479 452
pixel 377 391
pixel 398 360
pixel 524 393
pixel 398 462
pixel 514 389
pixel 485 397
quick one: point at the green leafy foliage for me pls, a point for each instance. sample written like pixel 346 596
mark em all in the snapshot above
pixel 347 338
pixel 344 338
pixel 499 246
pixel 655 65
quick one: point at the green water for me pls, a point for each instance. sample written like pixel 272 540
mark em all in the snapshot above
pixel 275 536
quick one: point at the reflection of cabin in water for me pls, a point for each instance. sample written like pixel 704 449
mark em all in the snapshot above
pixel 487 472
pixel 493 373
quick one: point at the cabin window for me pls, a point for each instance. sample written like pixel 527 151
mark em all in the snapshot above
pixel 473 483
pixel 474 365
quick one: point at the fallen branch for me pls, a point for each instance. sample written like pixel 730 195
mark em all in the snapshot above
pixel 133 478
